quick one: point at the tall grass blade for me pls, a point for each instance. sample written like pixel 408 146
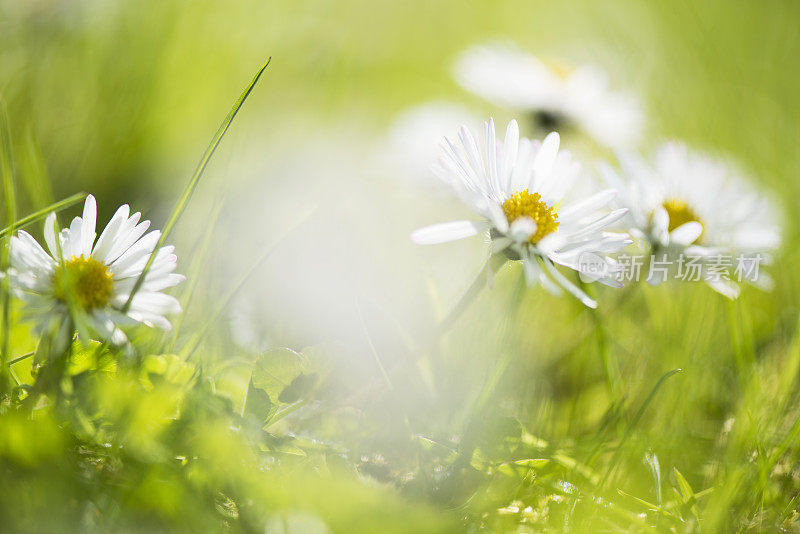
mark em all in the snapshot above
pixel 635 421
pixel 183 201
pixel 77 198
pixel 6 169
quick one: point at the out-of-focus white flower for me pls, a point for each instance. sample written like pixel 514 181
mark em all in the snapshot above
pixel 554 94
pixel 93 280
pixel 413 138
pixel 687 203
pixel 520 188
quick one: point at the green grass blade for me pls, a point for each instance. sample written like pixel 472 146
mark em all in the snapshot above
pixel 44 212
pixel 9 190
pixel 687 493
pixel 645 504
pixel 635 421
pixel 686 489
pixel 6 169
pixel 183 201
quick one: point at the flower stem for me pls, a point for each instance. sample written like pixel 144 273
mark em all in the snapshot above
pixel 609 365
pixel 490 267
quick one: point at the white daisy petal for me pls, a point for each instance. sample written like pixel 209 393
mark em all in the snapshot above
pixel 50 234
pixel 158 303
pixel 127 236
pixel 661 226
pixel 445 232
pixel 497 217
pixel 574 290
pixel 509 157
pixel 534 274
pixel 764 281
pixel 490 141
pixel 550 243
pixel 587 205
pixel 686 234
pixel 110 232
pixel 72 243
pixel 140 249
pixel 599 224
pixel 546 156
pixel 521 229
pixel 725 288
pixel 88 228
pixel 32 253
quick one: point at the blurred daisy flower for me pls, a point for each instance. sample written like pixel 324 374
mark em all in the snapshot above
pixel 686 203
pixel 90 282
pixel 520 189
pixel 556 95
pixel 413 137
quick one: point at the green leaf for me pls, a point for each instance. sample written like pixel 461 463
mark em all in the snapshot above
pixel 686 490
pixel 299 388
pixel 165 368
pixel 257 404
pixel 276 370
pixel 89 358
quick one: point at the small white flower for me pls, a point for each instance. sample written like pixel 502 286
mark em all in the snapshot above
pixel 554 94
pixel 96 278
pixel 519 187
pixel 686 203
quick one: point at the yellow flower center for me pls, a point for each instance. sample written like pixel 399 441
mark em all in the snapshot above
pixel 559 67
pixel 88 281
pixel 679 213
pixel 525 204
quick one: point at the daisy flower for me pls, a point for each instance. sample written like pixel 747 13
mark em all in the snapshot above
pixel 520 188
pixel 555 95
pixel 686 203
pixel 90 281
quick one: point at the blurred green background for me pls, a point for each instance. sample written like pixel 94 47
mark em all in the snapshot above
pixel 120 99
